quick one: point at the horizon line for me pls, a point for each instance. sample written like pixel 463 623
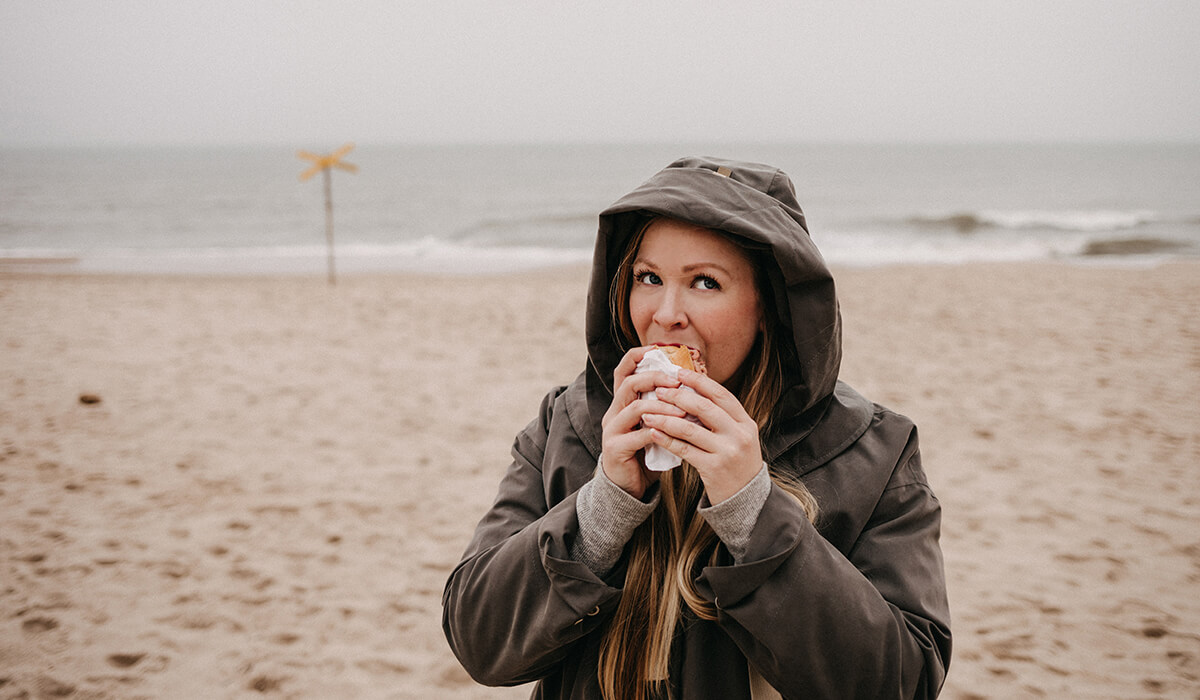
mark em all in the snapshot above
pixel 476 143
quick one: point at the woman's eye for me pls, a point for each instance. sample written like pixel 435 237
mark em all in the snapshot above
pixel 647 278
pixel 706 283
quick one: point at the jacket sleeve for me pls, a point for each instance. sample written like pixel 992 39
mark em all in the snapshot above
pixel 517 602
pixel 819 623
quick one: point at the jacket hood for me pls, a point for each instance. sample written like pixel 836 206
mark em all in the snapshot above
pixel 757 204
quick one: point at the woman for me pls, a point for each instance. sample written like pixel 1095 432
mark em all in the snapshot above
pixel 795 551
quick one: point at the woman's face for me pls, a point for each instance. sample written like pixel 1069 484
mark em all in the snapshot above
pixel 695 287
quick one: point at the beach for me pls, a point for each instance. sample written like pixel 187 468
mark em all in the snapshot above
pixel 238 486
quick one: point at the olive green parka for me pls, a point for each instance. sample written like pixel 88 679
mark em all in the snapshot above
pixel 853 607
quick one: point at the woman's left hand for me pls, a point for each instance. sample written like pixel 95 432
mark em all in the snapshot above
pixel 723 448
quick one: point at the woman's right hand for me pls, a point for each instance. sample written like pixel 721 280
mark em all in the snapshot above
pixel 624 435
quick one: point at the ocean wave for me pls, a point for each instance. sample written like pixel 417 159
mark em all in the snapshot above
pixel 852 247
pixel 1084 221
pixel 1134 246
pixel 872 247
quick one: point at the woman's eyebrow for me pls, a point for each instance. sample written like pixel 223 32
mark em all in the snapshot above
pixel 686 269
pixel 703 265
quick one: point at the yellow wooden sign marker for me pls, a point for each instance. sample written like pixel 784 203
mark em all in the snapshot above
pixel 324 164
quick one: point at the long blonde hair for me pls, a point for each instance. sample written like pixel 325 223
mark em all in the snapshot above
pixel 666 549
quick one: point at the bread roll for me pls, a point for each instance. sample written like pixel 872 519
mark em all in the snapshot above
pixel 683 356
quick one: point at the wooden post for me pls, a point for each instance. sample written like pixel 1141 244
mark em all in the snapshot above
pixel 329 221
pixel 324 164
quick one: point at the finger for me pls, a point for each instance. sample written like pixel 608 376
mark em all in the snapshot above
pixel 627 370
pixel 619 419
pixel 631 416
pixel 645 387
pixel 645 381
pixel 684 431
pixel 628 390
pixel 628 363
pixel 680 448
pixel 702 408
pixel 713 391
pixel 624 369
pixel 636 412
pixel 705 385
pixel 632 388
pixel 625 446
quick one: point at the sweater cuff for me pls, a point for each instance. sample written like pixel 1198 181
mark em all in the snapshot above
pixel 733 519
pixel 607 518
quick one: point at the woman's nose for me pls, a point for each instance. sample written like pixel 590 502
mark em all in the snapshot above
pixel 670 312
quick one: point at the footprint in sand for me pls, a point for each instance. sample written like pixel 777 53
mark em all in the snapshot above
pixel 144 662
pixel 1012 648
pixel 125 660
pixel 47 687
pixel 1184 664
pixel 384 667
pixel 265 684
pixel 39 624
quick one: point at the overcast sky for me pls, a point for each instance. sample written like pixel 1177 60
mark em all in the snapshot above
pixel 249 71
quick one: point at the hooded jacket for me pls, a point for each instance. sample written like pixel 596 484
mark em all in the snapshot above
pixel 851 607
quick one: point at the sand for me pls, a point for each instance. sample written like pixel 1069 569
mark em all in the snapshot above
pixel 256 486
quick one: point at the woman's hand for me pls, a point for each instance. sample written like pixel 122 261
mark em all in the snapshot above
pixel 723 448
pixel 625 432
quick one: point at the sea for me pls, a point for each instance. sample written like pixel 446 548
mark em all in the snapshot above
pixel 480 209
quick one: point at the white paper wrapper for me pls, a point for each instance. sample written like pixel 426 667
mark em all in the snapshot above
pixel 658 459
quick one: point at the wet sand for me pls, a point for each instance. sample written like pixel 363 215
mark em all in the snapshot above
pixel 227 487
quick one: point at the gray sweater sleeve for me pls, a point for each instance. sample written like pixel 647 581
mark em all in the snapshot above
pixel 607 518
pixel 733 519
